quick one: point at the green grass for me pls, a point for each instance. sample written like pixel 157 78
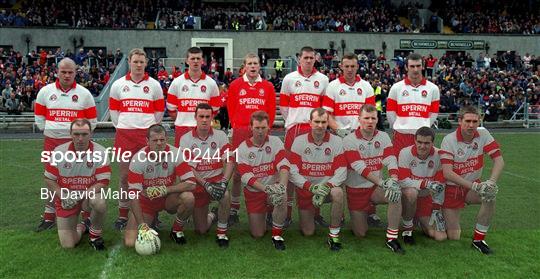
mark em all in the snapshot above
pixel 514 235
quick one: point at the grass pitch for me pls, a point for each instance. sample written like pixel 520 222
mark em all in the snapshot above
pixel 514 236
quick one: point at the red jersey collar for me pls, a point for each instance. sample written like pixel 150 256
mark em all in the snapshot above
pixel 360 136
pixel 303 74
pixel 414 151
pixel 326 137
pixel 59 86
pixel 356 79
pixel 459 136
pixel 71 146
pixel 187 76
pixel 250 143
pixel 145 77
pixel 196 135
pixel 422 82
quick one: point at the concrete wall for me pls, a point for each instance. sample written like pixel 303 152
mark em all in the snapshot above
pixel 288 43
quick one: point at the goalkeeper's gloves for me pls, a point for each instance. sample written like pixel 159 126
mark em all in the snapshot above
pixel 392 190
pixel 70 202
pixel 154 192
pixel 437 191
pixel 215 190
pixel 487 190
pixel 275 193
pixel 320 189
pixel 317 200
pixel 145 233
pixel 437 219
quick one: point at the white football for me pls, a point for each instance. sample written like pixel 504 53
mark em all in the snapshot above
pixel 148 247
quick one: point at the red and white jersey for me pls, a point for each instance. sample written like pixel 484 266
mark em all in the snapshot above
pixel 300 94
pixel 368 156
pixel 146 170
pixel 344 101
pixel 411 106
pixel 80 174
pixel 415 172
pixel 136 105
pixel 313 164
pixel 261 163
pixel 185 94
pixel 206 156
pixel 245 98
pixel 467 158
pixel 55 109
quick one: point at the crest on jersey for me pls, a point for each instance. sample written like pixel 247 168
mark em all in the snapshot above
pixel 53 98
pixel 359 91
pixel 342 92
pixel 213 145
pixel 362 147
pixel 67 165
pixel 405 93
pixel 146 89
pixel 89 165
pixel 316 84
pixel 327 151
pixel 431 164
pixel 475 146
pixel 424 93
pixel 460 152
pixel 193 147
pixel 298 83
pixel 203 88
pixel 149 169
pixel 164 165
pixel 307 151
pixel 261 92
pixel 251 155
pixel 242 92
pixel 75 98
pixel 268 149
pixel 377 144
pixel 125 89
pixel 185 88
pixel 413 164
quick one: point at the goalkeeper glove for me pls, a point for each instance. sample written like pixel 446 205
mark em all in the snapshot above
pixel 275 193
pixel 487 190
pixel 145 233
pixel 317 200
pixel 154 192
pixel 392 190
pixel 69 202
pixel 437 219
pixel 215 190
pixel 320 189
pixel 437 191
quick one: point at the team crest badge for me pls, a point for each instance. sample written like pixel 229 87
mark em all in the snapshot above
pixel 261 92
pixel 460 152
pixel 359 91
pixel 475 146
pixel 362 148
pixel 164 165
pixel 405 93
pixel 342 92
pixel 149 169
pixel 53 98
pixel 251 155
pixel 185 88
pixel 307 151
pixel 203 88
pixel 242 92
pixel 268 149
pixel 431 164
pixel 67 165
pixel 146 89
pixel 413 164
pixel 213 145
pixel 193 147
pixel 89 165
pixel 75 98
pixel 377 144
pixel 327 151
pixel 424 93
pixel 316 84
pixel 297 84
pixel 125 89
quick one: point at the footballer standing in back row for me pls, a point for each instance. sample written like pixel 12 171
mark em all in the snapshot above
pixel 135 103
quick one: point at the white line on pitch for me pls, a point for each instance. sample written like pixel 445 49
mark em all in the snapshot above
pixel 110 261
pixel 521 176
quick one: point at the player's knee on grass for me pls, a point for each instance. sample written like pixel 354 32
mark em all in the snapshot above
pixel 409 195
pixel 453 234
pixel 336 194
pixel 439 236
pixel 98 205
pixel 187 199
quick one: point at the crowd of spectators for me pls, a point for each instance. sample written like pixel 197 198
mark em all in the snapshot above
pixel 485 16
pixel 520 17
pixel 22 76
